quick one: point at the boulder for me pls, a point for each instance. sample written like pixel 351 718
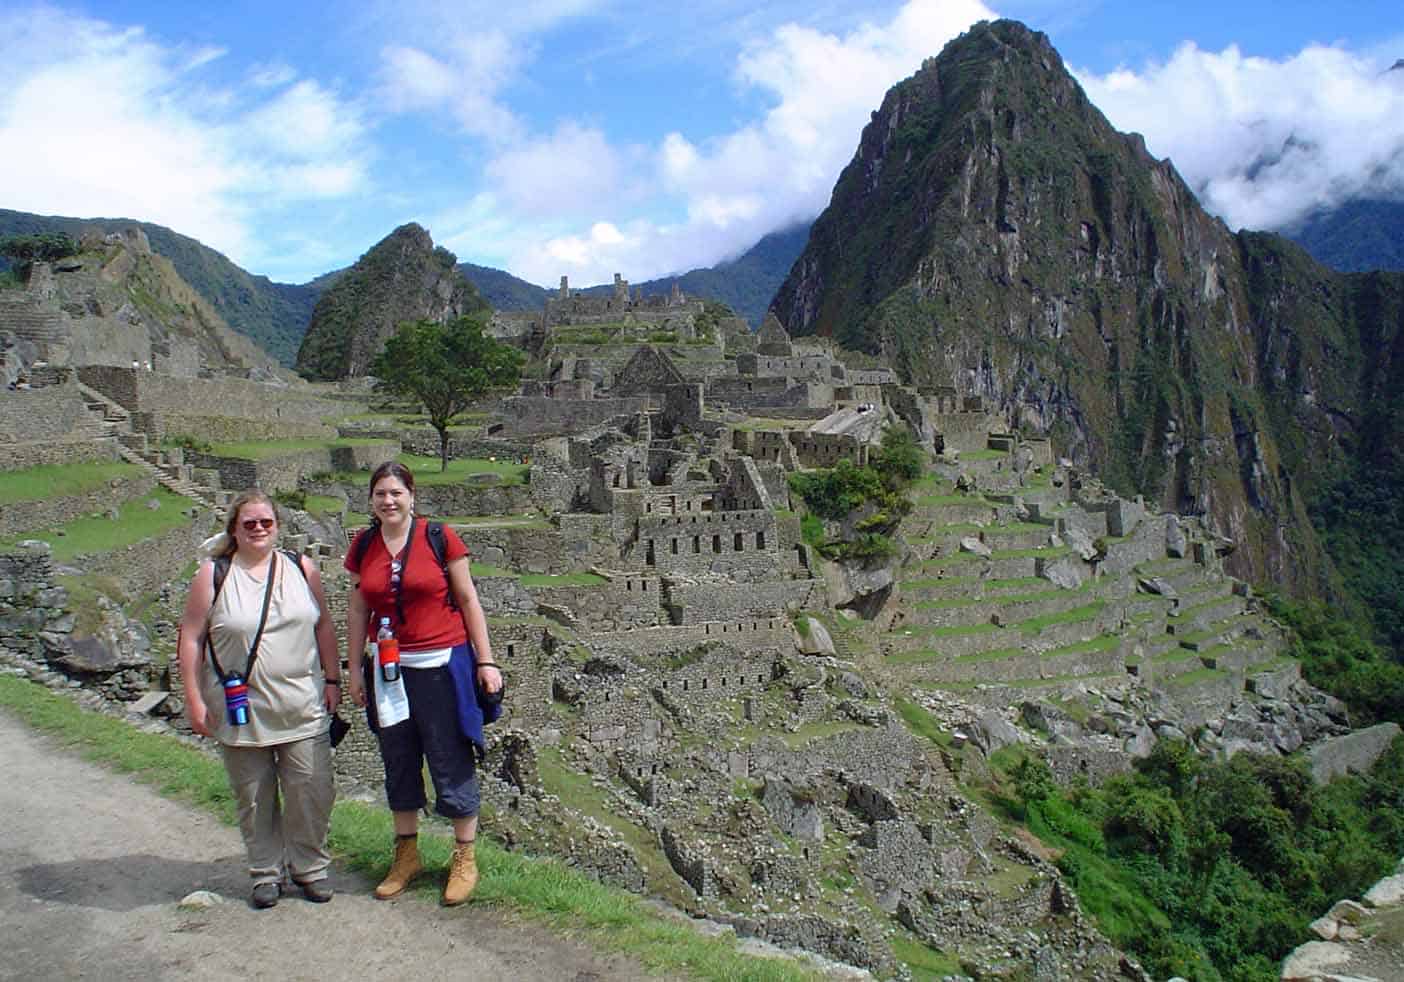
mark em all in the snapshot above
pixel 973 545
pixel 1067 573
pixel 813 638
pixel 1175 544
pixel 991 732
pixel 1080 542
pixel 1156 585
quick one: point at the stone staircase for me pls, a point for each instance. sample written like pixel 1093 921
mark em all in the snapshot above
pixel 109 421
pixel 22 317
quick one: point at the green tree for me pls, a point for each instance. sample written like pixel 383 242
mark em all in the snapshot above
pixel 446 367
pixel 44 247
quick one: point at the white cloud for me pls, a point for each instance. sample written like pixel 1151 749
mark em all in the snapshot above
pixel 572 170
pixel 770 172
pixel 103 120
pixel 1261 141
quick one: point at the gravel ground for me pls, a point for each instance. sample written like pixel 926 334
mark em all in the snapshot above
pixel 93 866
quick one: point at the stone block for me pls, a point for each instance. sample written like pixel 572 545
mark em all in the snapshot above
pixel 148 702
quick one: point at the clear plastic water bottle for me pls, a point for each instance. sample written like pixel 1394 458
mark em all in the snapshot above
pixel 387 649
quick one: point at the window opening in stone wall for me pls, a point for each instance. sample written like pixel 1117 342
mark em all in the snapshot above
pixel 760 540
pixel 675 547
pixel 684 685
pixel 629 586
pixel 696 544
pixel 648 556
pixel 616 479
pixel 643 586
pixel 737 543
pixel 716 543
pixel 511 650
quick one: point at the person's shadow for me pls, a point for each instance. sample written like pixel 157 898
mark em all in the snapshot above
pixel 128 882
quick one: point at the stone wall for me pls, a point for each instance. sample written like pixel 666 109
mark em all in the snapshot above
pixel 30 604
pixel 467 499
pixel 136 390
pixel 711 601
pixel 526 417
pixel 772 634
pixel 40 414
pixel 282 473
pixel 44 513
pixel 224 429
pixel 620 604
pixel 144 566
pixel 19 456
pixel 744 545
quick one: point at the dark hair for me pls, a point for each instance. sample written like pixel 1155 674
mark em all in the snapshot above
pixel 251 496
pixel 395 469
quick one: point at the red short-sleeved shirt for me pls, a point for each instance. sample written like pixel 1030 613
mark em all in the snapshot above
pixel 430 622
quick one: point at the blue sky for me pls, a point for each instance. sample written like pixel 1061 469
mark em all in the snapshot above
pixel 584 137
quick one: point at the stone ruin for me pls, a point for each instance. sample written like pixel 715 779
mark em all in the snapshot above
pixel 733 696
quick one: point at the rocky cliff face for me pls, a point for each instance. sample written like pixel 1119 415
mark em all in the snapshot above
pixel 403 278
pixel 993 231
pixel 117 302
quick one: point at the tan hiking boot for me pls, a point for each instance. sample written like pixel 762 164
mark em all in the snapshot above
pixel 463 875
pixel 404 869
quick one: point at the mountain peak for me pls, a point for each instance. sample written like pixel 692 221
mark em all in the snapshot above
pixel 403 277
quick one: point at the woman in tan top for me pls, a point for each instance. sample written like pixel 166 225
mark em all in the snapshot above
pixel 270 714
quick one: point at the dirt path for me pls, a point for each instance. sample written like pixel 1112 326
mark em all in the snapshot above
pixel 93 864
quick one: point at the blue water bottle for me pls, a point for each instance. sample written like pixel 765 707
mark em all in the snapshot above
pixel 236 700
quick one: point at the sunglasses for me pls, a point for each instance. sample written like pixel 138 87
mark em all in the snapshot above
pixel 252 523
pixel 396 567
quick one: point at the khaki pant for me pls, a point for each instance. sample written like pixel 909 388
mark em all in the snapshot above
pixel 284 794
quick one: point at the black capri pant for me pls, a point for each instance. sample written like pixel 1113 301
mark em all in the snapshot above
pixel 430 734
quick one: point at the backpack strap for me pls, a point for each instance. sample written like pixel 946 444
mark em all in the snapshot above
pixel 438 545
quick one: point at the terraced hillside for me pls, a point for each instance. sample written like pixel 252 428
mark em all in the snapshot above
pixel 1045 587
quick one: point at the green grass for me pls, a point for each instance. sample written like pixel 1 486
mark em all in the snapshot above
pixel 922 723
pixel 986 454
pixel 426 471
pixel 263 449
pixel 361 835
pixel 1198 675
pixel 99 534
pixel 817 731
pixel 997 654
pixel 1085 613
pixel 323 504
pixel 925 964
pixel 562 579
pixel 58 480
pixel 1107 642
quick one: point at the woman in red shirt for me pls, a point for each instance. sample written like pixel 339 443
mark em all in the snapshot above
pixel 435 615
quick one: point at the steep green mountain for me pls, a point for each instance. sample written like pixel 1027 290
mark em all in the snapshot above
pixel 1356 237
pixel 745 283
pixel 993 231
pixel 273 315
pixel 503 290
pixel 403 277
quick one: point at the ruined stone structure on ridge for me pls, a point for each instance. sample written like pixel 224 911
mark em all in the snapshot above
pixel 668 630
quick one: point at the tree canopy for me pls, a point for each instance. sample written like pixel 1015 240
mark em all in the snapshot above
pixel 44 247
pixel 446 367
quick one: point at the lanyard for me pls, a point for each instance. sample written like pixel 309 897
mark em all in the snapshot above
pixel 258 636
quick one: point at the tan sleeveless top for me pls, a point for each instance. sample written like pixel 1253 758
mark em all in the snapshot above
pixel 285 687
